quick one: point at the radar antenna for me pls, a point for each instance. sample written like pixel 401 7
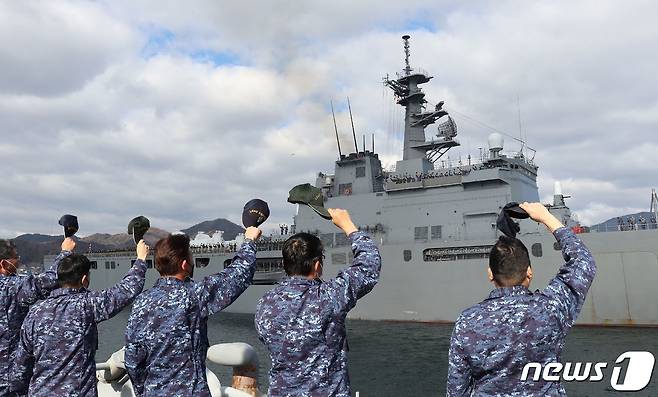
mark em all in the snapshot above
pixel 340 154
pixel 407 52
pixel 356 148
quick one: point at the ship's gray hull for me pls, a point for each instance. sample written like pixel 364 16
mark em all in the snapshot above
pixel 624 291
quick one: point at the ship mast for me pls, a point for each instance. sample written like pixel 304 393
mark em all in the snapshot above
pixel 416 119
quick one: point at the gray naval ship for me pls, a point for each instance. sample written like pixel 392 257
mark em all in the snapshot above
pixel 434 221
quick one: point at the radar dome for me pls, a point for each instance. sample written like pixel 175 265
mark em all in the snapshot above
pixel 496 142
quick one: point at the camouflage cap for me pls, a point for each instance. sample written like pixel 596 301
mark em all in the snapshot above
pixel 70 224
pixel 311 196
pixel 138 227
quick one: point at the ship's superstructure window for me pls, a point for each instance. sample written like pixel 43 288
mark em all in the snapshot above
pixel 345 189
pixel 339 259
pixel 341 240
pixel 93 264
pixel 436 232
pixel 420 233
pixel 406 255
pixel 360 172
pixel 149 263
pixel 327 240
pixel 269 265
pixel 536 250
pixel 201 262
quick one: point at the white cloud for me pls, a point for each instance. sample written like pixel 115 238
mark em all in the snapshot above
pixel 92 125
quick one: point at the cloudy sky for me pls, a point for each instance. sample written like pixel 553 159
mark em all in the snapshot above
pixel 182 111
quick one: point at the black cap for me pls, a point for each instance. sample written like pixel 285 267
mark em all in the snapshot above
pixel 70 223
pixel 505 223
pixel 311 196
pixel 255 212
pixel 138 227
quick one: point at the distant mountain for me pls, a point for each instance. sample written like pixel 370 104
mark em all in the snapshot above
pixel 611 224
pixel 230 229
pixel 33 247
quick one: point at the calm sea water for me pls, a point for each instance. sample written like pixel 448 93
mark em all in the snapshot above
pixel 410 359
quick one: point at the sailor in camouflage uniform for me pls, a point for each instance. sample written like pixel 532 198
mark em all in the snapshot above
pixel 167 333
pixel 16 294
pixel 493 340
pixel 302 321
pixel 59 337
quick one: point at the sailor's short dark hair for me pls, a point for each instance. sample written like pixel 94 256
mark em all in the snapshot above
pixel 71 269
pixel 170 252
pixel 509 261
pixel 7 249
pixel 300 252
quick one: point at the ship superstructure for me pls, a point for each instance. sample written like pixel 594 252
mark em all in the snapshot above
pixel 434 221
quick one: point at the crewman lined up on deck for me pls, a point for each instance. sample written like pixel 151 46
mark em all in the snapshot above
pixel 17 293
pixel 302 320
pixel 59 337
pixel 167 334
pixel 493 340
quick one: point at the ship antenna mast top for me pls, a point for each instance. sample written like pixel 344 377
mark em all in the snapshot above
pixel 407 68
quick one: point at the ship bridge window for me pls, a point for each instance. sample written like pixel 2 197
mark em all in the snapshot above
pixel 420 233
pixel 436 232
pixel 93 264
pixel 360 172
pixel 201 262
pixel 536 250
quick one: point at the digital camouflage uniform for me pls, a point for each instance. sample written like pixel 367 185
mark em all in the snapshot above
pixel 59 338
pixel 17 293
pixel 302 324
pixel 167 333
pixel 493 340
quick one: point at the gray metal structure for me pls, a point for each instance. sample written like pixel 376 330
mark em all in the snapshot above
pixel 435 224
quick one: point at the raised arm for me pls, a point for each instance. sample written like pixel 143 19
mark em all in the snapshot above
pixel 357 280
pixel 219 290
pixel 568 289
pixel 38 287
pixel 460 381
pixel 107 303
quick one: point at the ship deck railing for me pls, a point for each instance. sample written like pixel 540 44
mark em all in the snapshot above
pixel 624 228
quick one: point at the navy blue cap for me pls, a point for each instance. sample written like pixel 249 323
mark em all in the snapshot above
pixel 255 212
pixel 505 223
pixel 70 224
